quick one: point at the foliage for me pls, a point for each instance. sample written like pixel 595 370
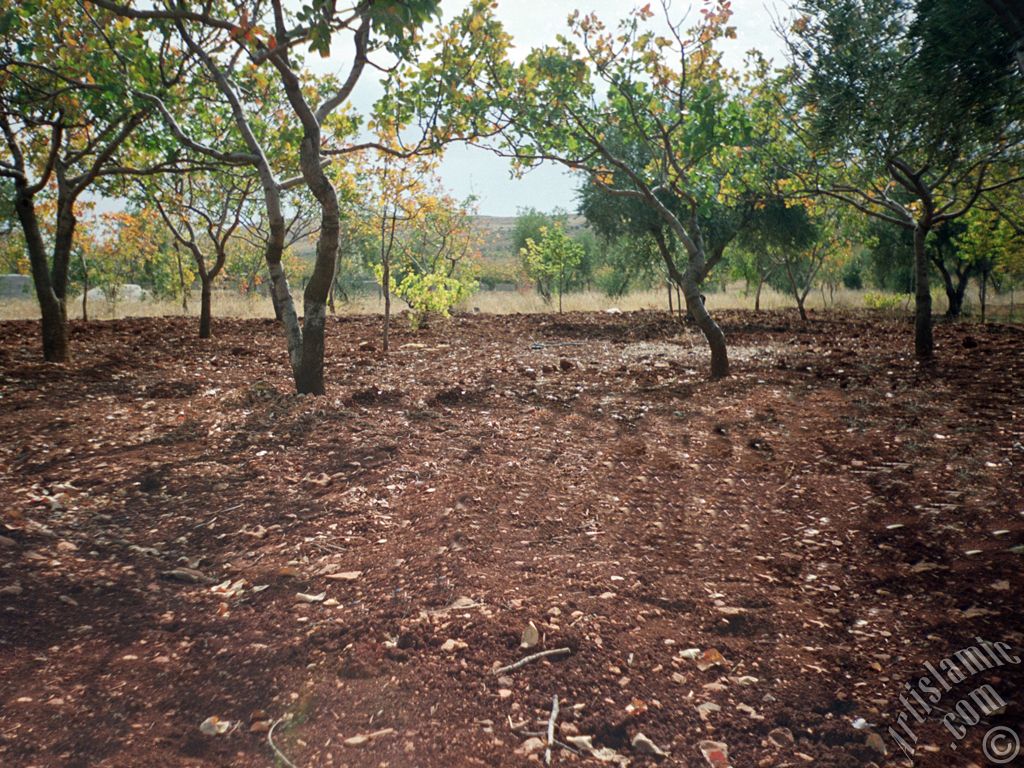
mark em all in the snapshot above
pixel 887 302
pixel 552 258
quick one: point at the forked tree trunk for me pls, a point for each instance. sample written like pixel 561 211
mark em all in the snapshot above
pixel 689 281
pixel 924 342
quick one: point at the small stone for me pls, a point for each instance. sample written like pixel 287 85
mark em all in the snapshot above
pixel 214 726
pixel 531 745
pixel 451 645
pixel 12 590
pixel 260 726
pixel 530 638
pixel 7 542
pixel 66 546
pixel 705 709
pixel 781 737
pixel 504 693
pixel 606 596
pixel 715 752
pixel 505 681
pixel 365 738
pixel 344 576
pixel 690 654
pixel 875 742
pixel 568 729
pixel 645 746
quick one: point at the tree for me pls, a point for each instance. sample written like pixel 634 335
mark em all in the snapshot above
pixel 66 115
pixel 671 94
pixel 203 213
pixel 263 35
pixel 879 128
pixel 552 258
pixel 437 258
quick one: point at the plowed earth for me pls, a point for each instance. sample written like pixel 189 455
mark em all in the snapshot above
pixel 828 520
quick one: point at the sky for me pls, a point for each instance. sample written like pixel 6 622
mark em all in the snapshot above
pixel 473 171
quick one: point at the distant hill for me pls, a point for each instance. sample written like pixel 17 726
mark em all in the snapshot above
pixel 496 232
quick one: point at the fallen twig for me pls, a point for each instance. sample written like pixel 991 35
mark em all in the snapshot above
pixel 533 657
pixel 278 752
pixel 551 730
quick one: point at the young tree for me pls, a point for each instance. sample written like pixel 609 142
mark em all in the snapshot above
pixel 203 213
pixel 552 258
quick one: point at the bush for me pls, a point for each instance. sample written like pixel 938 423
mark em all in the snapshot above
pixel 887 302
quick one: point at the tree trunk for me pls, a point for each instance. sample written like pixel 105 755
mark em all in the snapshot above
pixel 757 296
pixel 983 294
pixel 85 287
pixel 51 308
pixel 690 284
pixel 924 342
pixel 386 289
pixel 712 332
pixel 671 309
pixel 800 297
pixel 181 277
pixel 309 378
pixel 205 315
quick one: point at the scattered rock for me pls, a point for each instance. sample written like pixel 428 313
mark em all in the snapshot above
pixel 531 637
pixel 531 745
pixel 303 597
pixel 781 737
pixel 645 746
pixel 715 752
pixel 450 645
pixel 877 743
pixel 344 576
pixel 12 590
pixel 365 738
pixel 214 726
pixel 187 575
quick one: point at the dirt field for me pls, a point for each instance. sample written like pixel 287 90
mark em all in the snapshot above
pixel 819 527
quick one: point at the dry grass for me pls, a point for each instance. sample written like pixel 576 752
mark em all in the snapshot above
pixel 498 302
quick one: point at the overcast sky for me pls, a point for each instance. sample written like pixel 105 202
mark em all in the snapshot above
pixel 472 171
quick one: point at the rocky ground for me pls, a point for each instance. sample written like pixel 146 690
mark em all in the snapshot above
pixel 744 572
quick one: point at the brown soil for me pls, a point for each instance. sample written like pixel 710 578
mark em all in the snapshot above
pixel 829 519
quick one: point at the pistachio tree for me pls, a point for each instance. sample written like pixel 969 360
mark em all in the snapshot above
pixel 68 118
